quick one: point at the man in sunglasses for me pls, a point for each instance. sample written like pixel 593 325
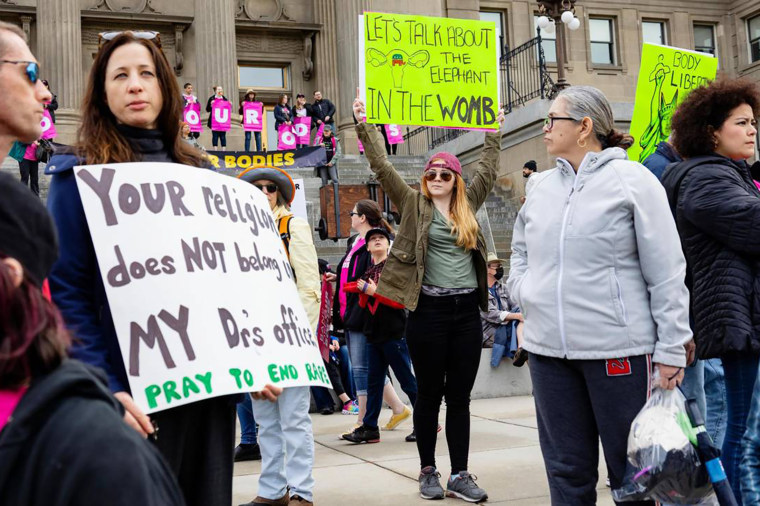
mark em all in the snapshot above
pixel 23 96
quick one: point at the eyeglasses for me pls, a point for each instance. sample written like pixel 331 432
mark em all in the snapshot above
pixel 270 188
pixel 353 213
pixel 549 121
pixel 104 37
pixel 32 69
pixel 446 175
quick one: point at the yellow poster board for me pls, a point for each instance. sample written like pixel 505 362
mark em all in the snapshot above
pixel 419 70
pixel 666 76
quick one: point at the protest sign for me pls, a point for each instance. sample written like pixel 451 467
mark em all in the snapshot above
pixel 302 128
pixel 192 116
pixel 202 295
pixel 311 156
pixel 325 317
pixel 221 115
pixel 48 127
pixel 394 134
pixel 253 112
pixel 318 134
pixel 298 206
pixel 666 76
pixel 286 137
pixel 418 70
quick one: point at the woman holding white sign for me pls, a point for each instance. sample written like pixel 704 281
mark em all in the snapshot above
pixel 131 112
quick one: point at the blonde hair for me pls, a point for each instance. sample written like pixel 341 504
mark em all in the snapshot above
pixel 463 222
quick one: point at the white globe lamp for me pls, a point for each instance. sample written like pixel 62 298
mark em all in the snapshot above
pixel 574 24
pixel 550 29
pixel 543 22
pixel 567 16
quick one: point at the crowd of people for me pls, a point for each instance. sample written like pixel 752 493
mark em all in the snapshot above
pixel 623 278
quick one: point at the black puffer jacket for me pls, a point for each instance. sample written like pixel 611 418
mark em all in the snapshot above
pixel 717 208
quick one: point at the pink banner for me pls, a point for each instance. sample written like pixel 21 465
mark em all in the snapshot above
pixel 286 137
pixel 221 115
pixel 192 116
pixel 318 136
pixel 395 136
pixel 302 127
pixel 253 112
pixel 48 127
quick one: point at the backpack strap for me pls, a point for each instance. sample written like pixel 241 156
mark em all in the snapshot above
pixel 283 226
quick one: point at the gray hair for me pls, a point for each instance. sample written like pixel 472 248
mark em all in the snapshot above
pixel 8 27
pixel 587 101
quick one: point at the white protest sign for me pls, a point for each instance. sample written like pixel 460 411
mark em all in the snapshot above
pixel 298 206
pixel 201 291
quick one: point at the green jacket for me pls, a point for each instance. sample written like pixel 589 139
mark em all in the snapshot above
pixel 402 276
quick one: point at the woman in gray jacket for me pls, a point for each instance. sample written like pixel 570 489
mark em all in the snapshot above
pixel 598 272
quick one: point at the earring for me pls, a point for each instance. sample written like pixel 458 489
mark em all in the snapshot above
pixel 579 143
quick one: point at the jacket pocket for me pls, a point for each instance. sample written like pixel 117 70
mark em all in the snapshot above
pixel 401 267
pixel 519 297
pixel 616 293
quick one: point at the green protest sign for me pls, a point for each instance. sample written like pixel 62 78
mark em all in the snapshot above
pixel 418 70
pixel 666 77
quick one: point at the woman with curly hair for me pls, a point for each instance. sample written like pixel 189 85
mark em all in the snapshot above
pixel 717 210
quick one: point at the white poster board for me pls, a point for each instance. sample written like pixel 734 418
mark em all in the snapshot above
pixel 298 206
pixel 201 291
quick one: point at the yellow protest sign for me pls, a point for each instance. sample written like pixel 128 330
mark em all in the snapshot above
pixel 666 76
pixel 419 70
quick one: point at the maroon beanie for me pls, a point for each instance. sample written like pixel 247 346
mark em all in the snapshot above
pixel 451 162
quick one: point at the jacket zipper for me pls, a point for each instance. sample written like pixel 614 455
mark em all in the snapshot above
pixel 560 312
pixel 620 296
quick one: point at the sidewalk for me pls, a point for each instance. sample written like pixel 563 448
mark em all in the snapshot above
pixel 504 454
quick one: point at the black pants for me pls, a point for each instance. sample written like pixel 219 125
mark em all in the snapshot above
pixel 444 336
pixel 578 402
pixel 197 440
pixel 217 137
pixel 29 175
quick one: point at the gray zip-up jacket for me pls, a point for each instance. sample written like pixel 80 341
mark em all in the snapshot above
pixel 597 267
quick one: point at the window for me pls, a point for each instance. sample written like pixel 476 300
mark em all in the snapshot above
pixel 704 39
pixel 258 77
pixel 753 30
pixel 498 18
pixel 548 42
pixel 653 32
pixel 602 46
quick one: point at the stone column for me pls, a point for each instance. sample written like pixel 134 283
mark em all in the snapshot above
pixel 59 48
pixel 326 59
pixel 216 59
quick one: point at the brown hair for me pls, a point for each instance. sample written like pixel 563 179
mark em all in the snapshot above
pixel 371 210
pixel 98 140
pixel 706 109
pixel 463 221
pixel 279 100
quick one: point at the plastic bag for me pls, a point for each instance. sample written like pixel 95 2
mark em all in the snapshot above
pixel 663 464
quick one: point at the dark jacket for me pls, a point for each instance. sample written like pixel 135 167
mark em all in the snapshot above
pixel 52 107
pixel 282 114
pixel 67 445
pixel 382 323
pixel 663 156
pixel 320 110
pixel 717 209
pixel 354 315
pixel 208 107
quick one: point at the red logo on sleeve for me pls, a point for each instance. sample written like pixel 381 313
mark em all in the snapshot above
pixel 618 367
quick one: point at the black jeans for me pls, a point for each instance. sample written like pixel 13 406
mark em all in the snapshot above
pixel 444 335
pixel 29 175
pixel 217 137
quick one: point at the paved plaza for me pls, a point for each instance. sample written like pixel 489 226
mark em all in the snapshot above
pixel 504 454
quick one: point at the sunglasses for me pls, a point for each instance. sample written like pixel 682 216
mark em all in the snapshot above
pixel 270 188
pixel 104 37
pixel 446 176
pixel 32 69
pixel 354 213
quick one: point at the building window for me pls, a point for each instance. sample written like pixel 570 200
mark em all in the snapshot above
pixel 548 42
pixel 263 77
pixel 653 32
pixel 498 18
pixel 753 30
pixel 704 39
pixel 601 38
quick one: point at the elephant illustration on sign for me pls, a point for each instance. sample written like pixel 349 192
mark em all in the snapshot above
pixel 397 60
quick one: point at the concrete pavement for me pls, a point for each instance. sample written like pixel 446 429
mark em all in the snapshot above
pixel 504 454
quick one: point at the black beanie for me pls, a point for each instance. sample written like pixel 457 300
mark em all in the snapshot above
pixel 26 230
pixel 530 164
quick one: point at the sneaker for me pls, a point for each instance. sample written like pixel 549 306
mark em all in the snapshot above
pixel 411 438
pixel 260 501
pixel 351 408
pixel 297 500
pixel 607 483
pixel 521 356
pixel 327 411
pixel 463 486
pixel 430 484
pixel 396 420
pixel 244 452
pixel 363 434
pixel 349 431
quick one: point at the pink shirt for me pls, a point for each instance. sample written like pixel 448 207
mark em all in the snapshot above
pixel 29 154
pixel 359 243
pixel 757 183
pixel 9 399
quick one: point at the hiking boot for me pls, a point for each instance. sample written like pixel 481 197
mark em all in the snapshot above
pixel 396 420
pixel 244 452
pixel 260 501
pixel 463 486
pixel 411 438
pixel 297 500
pixel 430 483
pixel 521 356
pixel 363 434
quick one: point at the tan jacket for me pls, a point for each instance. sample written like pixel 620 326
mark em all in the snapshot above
pixel 303 259
pixel 402 277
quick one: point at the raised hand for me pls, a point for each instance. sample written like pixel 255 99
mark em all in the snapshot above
pixel 359 111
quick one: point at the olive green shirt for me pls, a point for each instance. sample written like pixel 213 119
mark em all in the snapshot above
pixel 446 264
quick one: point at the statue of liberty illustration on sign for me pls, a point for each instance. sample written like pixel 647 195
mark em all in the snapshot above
pixel 661 112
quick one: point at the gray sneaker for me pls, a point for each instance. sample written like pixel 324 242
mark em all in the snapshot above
pixel 430 483
pixel 463 486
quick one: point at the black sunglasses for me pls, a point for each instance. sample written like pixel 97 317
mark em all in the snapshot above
pixel 32 69
pixel 446 176
pixel 104 37
pixel 354 213
pixel 271 188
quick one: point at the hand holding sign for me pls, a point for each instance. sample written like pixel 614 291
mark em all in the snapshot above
pixel 133 415
pixel 359 110
pixel 268 393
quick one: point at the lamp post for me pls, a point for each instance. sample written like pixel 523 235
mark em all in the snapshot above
pixel 554 15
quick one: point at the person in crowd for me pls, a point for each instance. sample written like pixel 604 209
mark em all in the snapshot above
pixel 189 98
pixel 217 136
pixel 609 301
pixel 24 95
pixel 502 312
pixel 188 137
pixel 331 143
pixel 529 169
pixel 390 149
pixel 322 111
pixel 129 69
pixel 52 105
pixel 283 114
pixel 29 168
pixel 301 110
pixel 248 448
pixel 384 328
pixel 663 155
pixel 285 433
pixel 437 270
pixel 349 317
pixel 717 209
pixel 250 96
pixel 44 397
